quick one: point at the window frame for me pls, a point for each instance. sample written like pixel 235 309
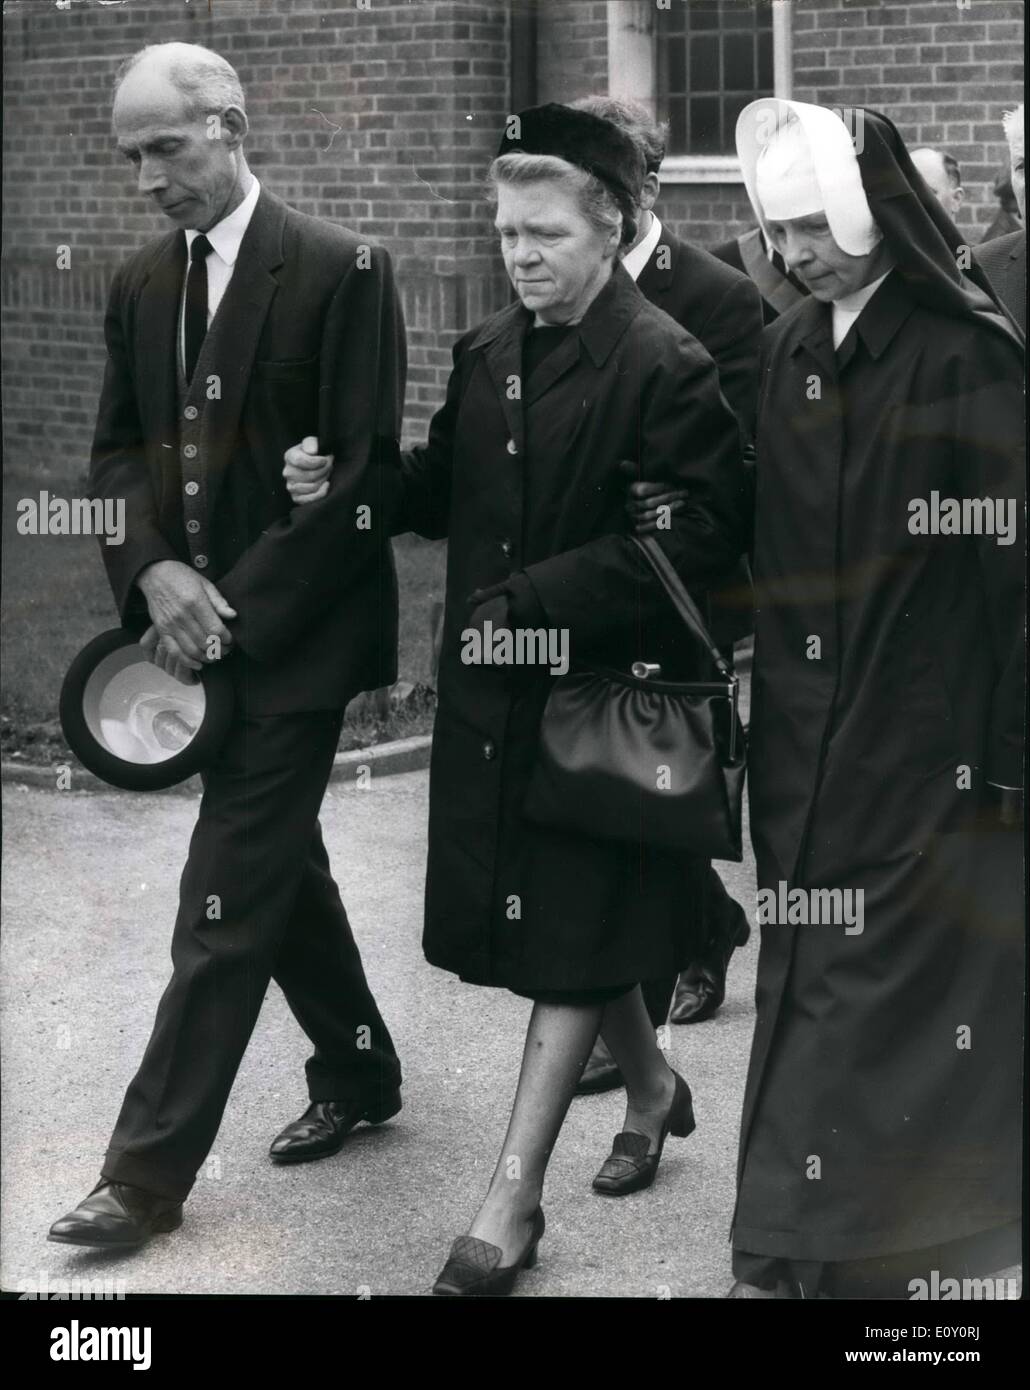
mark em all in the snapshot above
pixel 632 73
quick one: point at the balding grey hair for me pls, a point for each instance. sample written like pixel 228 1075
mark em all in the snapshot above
pixel 635 120
pixel 209 83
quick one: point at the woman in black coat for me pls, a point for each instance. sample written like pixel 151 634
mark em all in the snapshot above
pixel 522 473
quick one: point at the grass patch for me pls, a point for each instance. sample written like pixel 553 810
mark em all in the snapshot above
pixel 56 597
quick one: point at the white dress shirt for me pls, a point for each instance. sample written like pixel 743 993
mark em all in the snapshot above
pixel 638 257
pixel 225 238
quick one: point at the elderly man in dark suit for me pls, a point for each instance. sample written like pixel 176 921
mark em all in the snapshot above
pixel 246 327
pixel 1004 258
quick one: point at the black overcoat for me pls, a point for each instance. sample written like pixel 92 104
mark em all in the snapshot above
pixel 528 490
pixel 886 664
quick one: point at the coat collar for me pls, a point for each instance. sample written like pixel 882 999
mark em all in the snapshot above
pixel 601 327
pixel 877 325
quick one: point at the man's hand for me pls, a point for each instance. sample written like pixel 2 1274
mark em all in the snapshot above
pixel 187 612
pixel 647 502
pixel 166 653
pixel 307 471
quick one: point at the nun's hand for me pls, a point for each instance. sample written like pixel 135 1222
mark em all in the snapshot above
pixel 166 653
pixel 651 506
pixel 307 471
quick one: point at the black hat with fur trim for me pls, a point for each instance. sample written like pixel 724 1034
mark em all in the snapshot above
pixel 587 141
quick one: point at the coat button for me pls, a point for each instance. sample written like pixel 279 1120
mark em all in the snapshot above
pixel 193 527
pixel 189 451
pixel 489 750
pixel 200 561
pixel 191 412
pixel 192 489
pixel 512 447
pixel 506 548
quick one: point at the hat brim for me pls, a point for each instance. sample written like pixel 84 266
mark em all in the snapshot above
pixel 116 657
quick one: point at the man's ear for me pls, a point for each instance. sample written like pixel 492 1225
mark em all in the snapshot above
pixel 649 192
pixel 234 126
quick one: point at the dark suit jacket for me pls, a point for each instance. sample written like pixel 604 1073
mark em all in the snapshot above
pixel 308 340
pixel 718 306
pixel 729 253
pixel 1004 260
pixel 722 309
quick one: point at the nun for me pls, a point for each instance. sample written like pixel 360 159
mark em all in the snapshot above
pixel 880 1137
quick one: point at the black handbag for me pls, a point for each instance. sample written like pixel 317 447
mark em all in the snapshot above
pixel 627 756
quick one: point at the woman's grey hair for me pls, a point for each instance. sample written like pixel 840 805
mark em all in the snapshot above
pixel 597 202
pixel 209 83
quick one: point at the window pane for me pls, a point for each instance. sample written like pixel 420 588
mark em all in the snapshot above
pixel 702 14
pixel 677 68
pixel 704 63
pixel 765 61
pixel 705 134
pixel 738 63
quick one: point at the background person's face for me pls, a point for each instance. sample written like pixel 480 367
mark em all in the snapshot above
pixel 935 176
pixel 556 260
pixel 809 250
pixel 187 174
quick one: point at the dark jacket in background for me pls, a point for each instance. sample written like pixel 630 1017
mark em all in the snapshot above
pixel 721 308
pixel 1004 261
pixel 730 253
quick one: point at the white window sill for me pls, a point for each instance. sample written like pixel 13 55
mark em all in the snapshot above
pixel 701 168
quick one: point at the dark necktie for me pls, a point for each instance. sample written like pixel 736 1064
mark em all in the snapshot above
pixel 196 302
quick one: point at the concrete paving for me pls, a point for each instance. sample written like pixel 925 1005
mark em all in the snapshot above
pixel 90 886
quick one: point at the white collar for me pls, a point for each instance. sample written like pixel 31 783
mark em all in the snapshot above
pixel 635 260
pixel 226 236
pixel 847 309
pixel 856 302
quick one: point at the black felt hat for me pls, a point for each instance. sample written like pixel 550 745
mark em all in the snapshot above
pixel 588 141
pixel 133 724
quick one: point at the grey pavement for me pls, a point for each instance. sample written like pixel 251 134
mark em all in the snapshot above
pixel 90 886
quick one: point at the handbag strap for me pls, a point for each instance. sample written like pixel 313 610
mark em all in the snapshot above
pixel 681 600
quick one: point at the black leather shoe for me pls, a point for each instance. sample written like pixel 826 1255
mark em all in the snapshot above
pixel 600 1073
pixel 325 1124
pixel 474 1266
pixel 117 1217
pixel 701 988
pixel 629 1167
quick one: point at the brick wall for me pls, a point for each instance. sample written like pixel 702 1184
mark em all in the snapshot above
pixel 339 129
pixel 943 71
pixel 385 119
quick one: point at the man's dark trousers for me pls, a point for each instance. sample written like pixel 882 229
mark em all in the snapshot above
pixel 257 902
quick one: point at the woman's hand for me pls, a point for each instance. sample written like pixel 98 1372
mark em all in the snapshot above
pixel 651 505
pixel 307 471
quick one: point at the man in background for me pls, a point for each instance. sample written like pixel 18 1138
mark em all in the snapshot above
pixel 941 174
pixel 1004 259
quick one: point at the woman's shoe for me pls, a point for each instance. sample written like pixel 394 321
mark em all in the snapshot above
pixel 474 1266
pixel 629 1167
